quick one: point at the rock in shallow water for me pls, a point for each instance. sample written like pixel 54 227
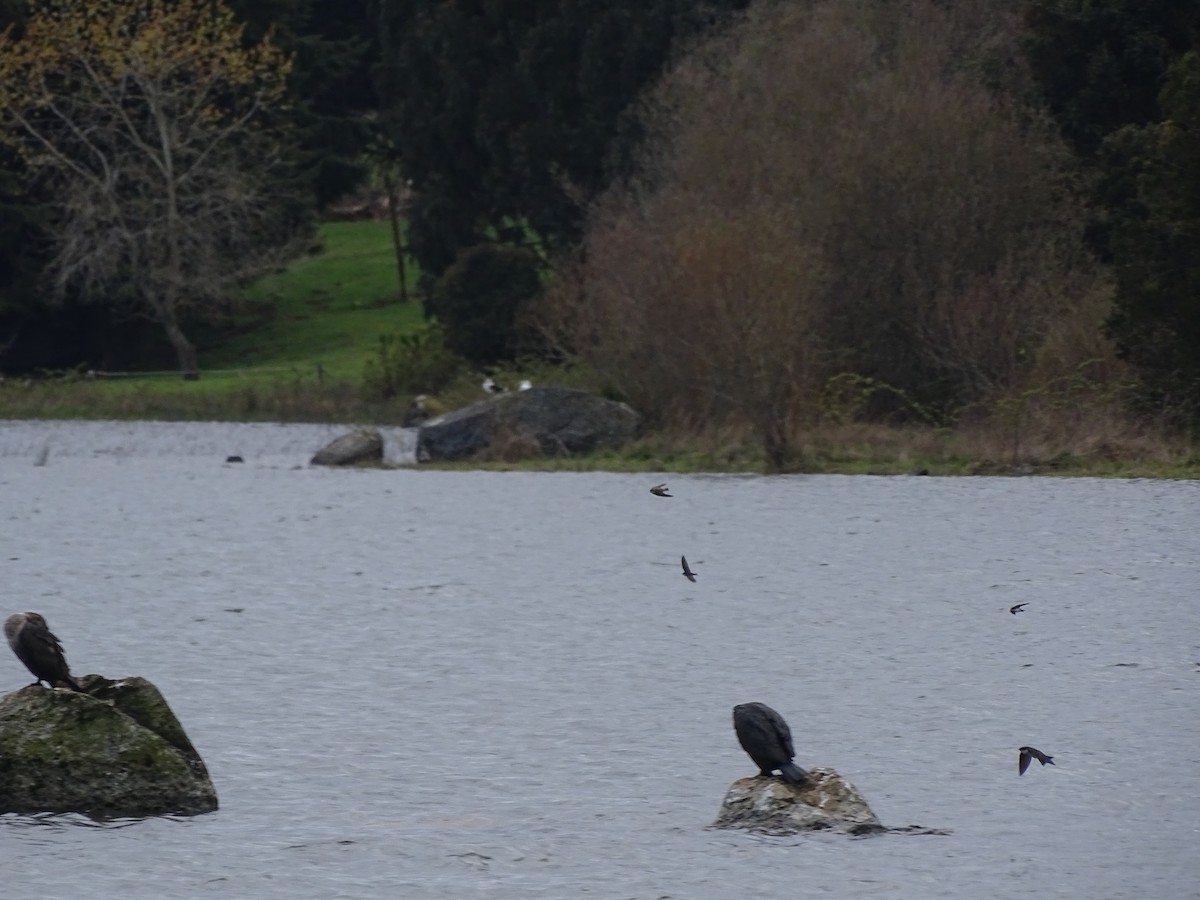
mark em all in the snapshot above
pixel 116 750
pixel 824 801
pixel 361 447
pixel 549 421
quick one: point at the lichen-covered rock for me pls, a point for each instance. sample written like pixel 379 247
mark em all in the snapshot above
pixel 549 421
pixel 117 750
pixel 361 447
pixel 824 801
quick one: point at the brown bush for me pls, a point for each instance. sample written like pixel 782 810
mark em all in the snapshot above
pixel 830 188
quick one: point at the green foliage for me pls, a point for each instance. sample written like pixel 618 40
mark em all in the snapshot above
pixel 415 362
pixel 508 111
pixel 1100 63
pixel 478 298
pixel 327 308
pixel 1122 78
pixel 330 86
pixel 1156 247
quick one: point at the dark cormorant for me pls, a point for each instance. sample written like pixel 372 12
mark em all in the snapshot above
pixel 687 570
pixel 1028 754
pixel 37 647
pixel 767 739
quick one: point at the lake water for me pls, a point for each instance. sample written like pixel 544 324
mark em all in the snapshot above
pixel 466 684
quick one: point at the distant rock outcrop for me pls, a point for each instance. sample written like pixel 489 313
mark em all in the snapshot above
pixel 824 801
pixel 117 750
pixel 361 447
pixel 547 421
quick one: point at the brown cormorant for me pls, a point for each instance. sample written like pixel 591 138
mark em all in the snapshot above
pixel 767 739
pixel 37 647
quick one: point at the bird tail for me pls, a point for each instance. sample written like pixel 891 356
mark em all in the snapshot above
pixel 73 684
pixel 1049 761
pixel 793 774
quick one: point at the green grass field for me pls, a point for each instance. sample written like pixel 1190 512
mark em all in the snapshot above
pixel 298 356
pixel 329 309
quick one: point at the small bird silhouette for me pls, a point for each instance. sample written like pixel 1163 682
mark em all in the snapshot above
pixel 687 572
pixel 660 490
pixel 1020 607
pixel 1031 753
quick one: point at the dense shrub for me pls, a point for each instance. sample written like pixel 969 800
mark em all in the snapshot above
pixel 830 189
pixel 413 363
pixel 478 298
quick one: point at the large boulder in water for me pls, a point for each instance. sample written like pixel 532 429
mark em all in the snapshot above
pixel 824 801
pixel 549 421
pixel 361 447
pixel 116 750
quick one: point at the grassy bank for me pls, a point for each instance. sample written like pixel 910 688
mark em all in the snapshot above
pixel 299 355
pixel 296 353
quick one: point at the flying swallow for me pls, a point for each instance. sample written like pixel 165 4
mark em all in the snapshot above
pixel 1020 607
pixel 660 490
pixel 687 572
pixel 1031 753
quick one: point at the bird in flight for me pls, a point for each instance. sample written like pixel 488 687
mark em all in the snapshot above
pixel 1020 607
pixel 660 490
pixel 1031 753
pixel 687 571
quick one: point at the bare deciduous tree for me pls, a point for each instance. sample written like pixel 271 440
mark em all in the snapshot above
pixel 829 188
pixel 148 123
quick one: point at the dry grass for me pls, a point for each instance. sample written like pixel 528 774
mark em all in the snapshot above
pixel 177 400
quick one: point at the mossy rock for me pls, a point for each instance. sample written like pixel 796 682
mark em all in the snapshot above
pixel 771 805
pixel 116 750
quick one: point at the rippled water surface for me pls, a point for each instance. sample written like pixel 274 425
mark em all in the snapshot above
pixel 453 684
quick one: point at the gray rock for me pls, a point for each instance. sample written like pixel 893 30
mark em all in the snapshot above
pixel 361 447
pixel 117 750
pixel 824 801
pixel 547 421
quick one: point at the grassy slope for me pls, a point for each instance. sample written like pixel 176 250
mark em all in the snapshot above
pixel 330 308
pixel 304 362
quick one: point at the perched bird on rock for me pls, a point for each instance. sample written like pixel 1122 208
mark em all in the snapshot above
pixel 1020 607
pixel 525 384
pixel 491 387
pixel 418 411
pixel 37 647
pixel 660 490
pixel 687 571
pixel 767 739
pixel 1031 753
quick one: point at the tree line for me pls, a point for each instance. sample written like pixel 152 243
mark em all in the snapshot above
pixel 948 203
